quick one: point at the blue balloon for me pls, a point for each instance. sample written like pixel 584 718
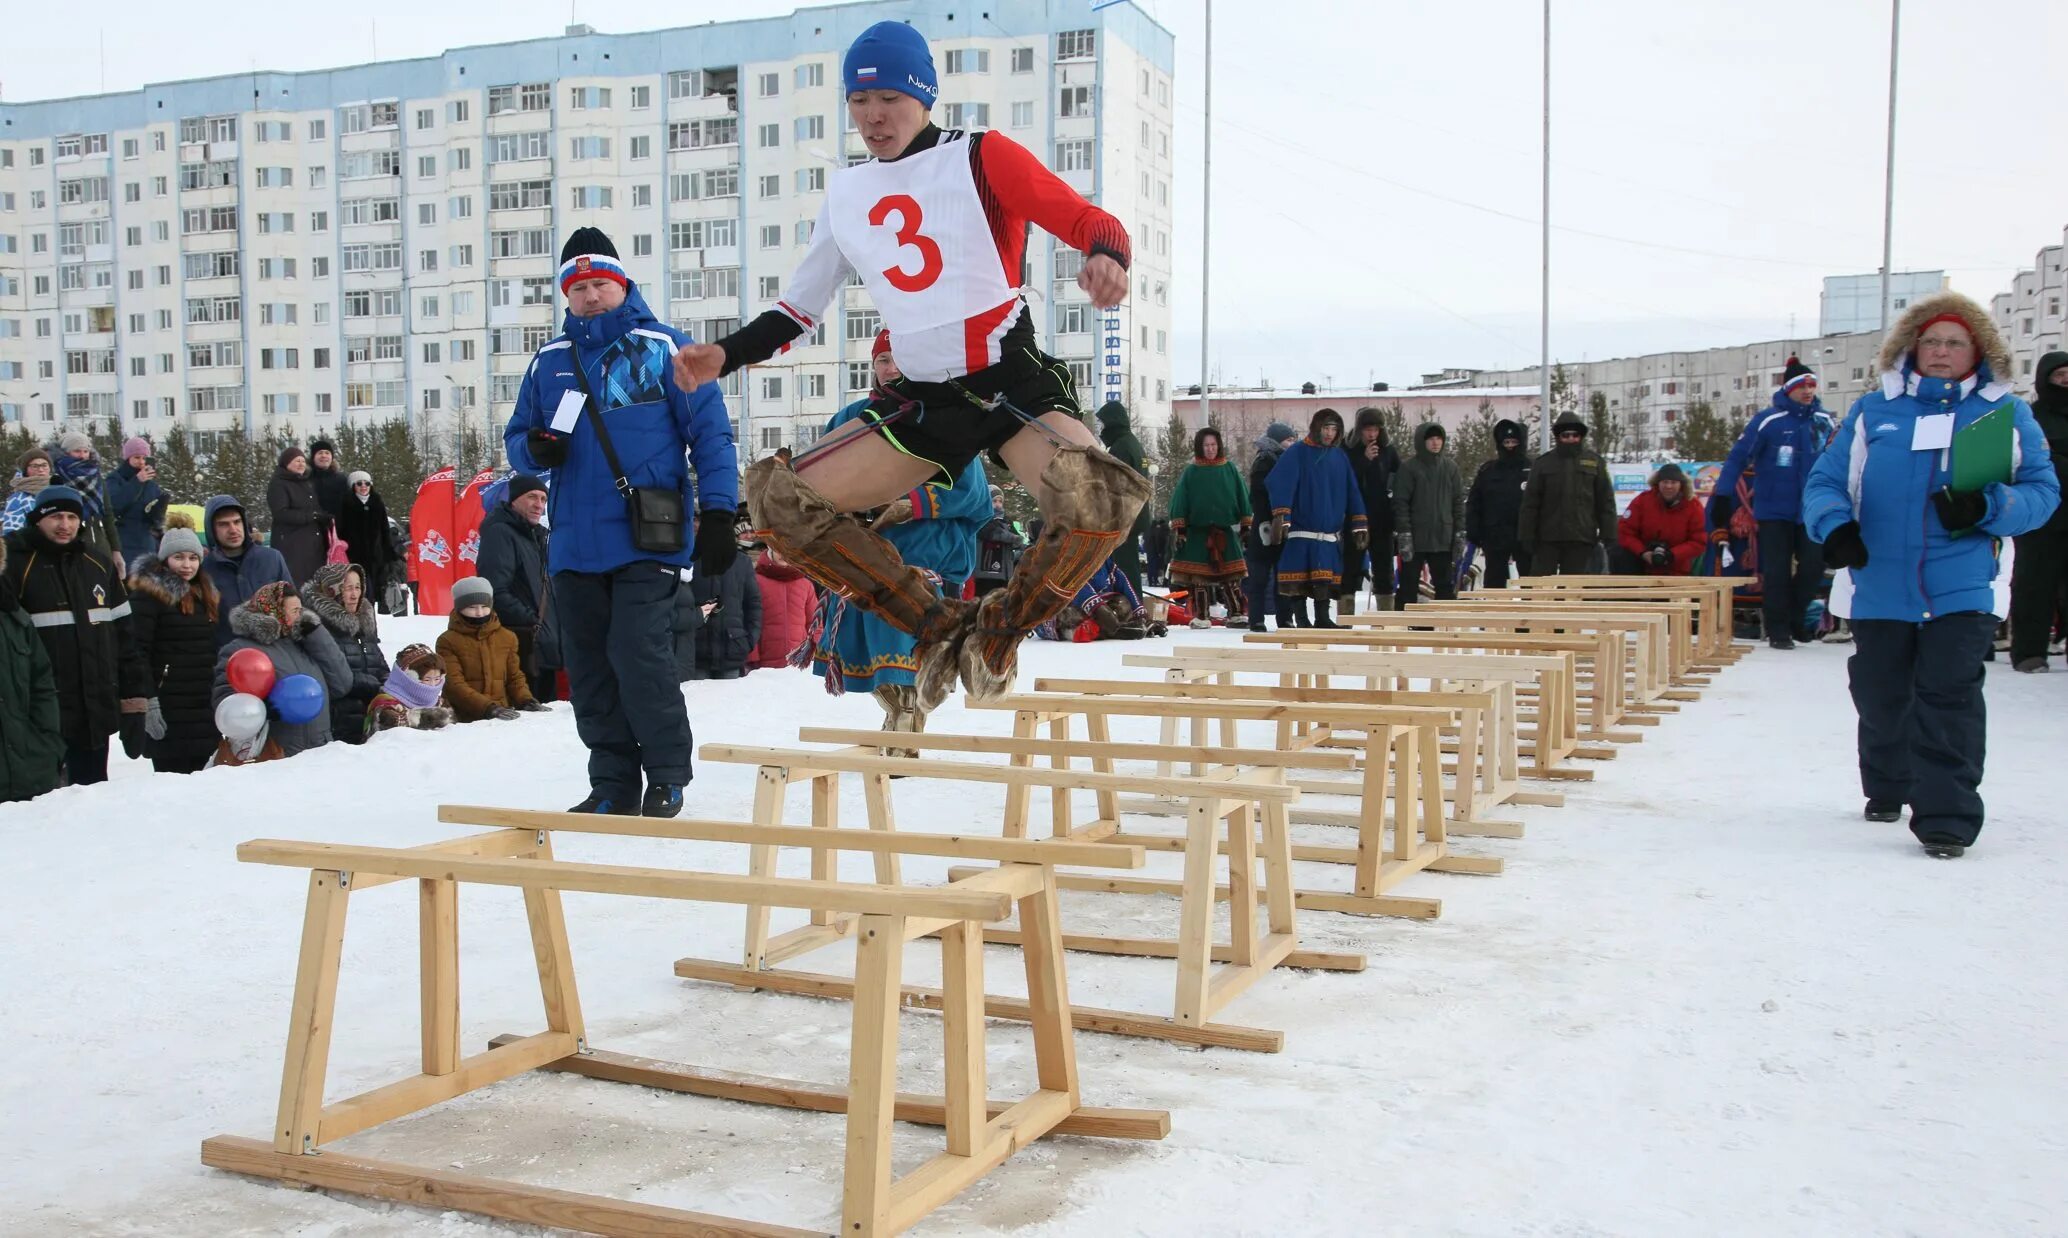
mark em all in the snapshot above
pixel 299 698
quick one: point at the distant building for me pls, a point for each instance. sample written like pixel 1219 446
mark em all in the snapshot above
pixel 1244 414
pixel 1648 395
pixel 1851 302
pixel 2030 314
pixel 380 241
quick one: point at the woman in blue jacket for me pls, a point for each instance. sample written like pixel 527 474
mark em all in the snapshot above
pixel 1928 566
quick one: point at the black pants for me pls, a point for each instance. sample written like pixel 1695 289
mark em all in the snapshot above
pixel 1918 690
pixel 1499 560
pixel 1791 569
pixel 1260 587
pixel 542 680
pixel 1442 572
pixel 2036 578
pixel 617 636
pixel 86 764
pixel 1562 559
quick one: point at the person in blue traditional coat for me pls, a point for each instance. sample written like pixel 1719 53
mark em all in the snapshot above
pixel 934 529
pixel 1107 608
pixel 1314 498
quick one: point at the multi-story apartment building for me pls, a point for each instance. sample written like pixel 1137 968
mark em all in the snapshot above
pixel 380 241
pixel 1649 394
pixel 2031 315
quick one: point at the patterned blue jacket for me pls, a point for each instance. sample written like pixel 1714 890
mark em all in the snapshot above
pixel 657 429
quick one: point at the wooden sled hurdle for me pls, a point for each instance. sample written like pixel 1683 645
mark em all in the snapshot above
pixel 1398 764
pixel 980 1133
pixel 1242 818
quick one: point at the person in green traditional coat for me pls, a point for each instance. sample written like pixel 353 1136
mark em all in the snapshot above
pixel 1209 513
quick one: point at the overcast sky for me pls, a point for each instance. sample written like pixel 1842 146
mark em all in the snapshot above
pixel 1376 164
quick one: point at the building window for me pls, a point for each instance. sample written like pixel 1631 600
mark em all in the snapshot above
pixel 814 386
pixel 592 197
pixel 591 148
pixel 642 195
pixel 1023 60
pixel 642 245
pixel 969 116
pixel 766 136
pixel 968 60
pixel 863 324
pixel 767 85
pixel 1074 101
pixel 642 146
pixel 588 98
pixel 1023 114
pixel 771 186
pixel 1076 45
pixel 813 180
pixel 642 98
pixel 810 128
pixel 859 376
pixel 810 75
pixel 1074 156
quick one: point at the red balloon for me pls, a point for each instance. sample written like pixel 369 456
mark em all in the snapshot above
pixel 251 671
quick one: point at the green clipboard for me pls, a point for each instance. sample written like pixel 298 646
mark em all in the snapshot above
pixel 1982 448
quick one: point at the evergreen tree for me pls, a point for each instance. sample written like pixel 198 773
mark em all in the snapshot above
pixel 15 441
pixel 1399 435
pixel 1174 453
pixel 1702 434
pixel 1563 398
pixel 1472 445
pixel 178 474
pixel 1604 427
pixel 107 443
pixel 227 470
pixel 392 453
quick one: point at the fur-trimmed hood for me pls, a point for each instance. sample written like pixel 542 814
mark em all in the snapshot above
pixel 320 598
pixel 154 578
pixel 1199 445
pixel 1903 333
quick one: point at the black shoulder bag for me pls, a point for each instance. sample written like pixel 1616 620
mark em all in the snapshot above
pixel 657 517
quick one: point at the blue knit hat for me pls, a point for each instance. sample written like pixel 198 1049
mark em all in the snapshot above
pixel 891 55
pixel 57 499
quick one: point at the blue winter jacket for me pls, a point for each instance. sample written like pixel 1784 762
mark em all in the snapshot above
pixel 1779 448
pixel 139 511
pixel 657 429
pixel 1915 569
pixel 237 578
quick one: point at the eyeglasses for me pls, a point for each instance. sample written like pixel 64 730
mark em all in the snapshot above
pixel 1936 343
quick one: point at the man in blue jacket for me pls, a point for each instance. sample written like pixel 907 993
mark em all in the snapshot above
pixel 238 566
pixel 1926 579
pixel 1779 448
pixel 616 602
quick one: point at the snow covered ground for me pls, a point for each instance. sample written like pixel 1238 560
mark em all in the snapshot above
pixel 1706 998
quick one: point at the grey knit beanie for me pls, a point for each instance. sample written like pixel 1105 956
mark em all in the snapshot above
pixel 179 541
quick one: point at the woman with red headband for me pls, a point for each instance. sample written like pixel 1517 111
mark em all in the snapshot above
pixel 1927 566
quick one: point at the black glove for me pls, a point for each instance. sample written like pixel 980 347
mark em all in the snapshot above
pixel 548 450
pixel 131 728
pixel 1960 509
pixel 307 623
pixel 716 546
pixel 503 713
pixel 534 707
pixel 1659 555
pixel 1844 547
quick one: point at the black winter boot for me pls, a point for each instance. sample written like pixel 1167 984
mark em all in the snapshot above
pixel 1883 810
pixel 1322 617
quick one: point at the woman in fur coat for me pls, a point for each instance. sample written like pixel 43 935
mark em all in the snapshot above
pixel 337 594
pixel 172 614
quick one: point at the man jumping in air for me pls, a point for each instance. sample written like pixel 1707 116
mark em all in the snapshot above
pixel 935 227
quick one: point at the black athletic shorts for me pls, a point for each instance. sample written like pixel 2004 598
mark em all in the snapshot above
pixel 945 426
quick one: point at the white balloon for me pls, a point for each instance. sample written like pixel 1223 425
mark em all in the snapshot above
pixel 240 716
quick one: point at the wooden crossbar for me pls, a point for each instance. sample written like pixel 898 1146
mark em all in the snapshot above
pixel 803 761
pixel 954 846
pixel 621 879
pixel 1036 747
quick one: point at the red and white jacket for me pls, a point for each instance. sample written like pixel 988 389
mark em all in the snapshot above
pixel 938 237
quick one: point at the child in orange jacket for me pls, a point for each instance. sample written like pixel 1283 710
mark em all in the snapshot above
pixel 484 676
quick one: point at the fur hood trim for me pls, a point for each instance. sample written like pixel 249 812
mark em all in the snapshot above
pixel 154 578
pixel 1903 333
pixel 320 598
pixel 255 626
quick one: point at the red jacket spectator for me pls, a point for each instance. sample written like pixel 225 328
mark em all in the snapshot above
pixel 787 600
pixel 1666 516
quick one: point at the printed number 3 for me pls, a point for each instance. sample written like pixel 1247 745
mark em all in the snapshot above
pixel 909 220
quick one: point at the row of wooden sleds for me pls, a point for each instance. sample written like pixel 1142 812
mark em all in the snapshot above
pixel 1423 726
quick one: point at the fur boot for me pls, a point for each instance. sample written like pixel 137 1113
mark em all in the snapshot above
pixel 901 712
pixel 1095 498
